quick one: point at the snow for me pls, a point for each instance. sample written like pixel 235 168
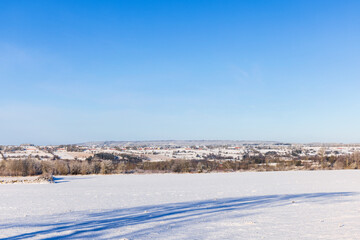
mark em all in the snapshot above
pixel 22 180
pixel 64 155
pixel 247 205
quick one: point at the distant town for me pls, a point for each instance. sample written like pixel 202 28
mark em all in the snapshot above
pixel 179 150
pixel 174 156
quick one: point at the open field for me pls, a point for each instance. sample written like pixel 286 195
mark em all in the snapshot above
pixel 248 205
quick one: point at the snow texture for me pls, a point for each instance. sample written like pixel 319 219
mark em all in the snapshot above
pixel 251 205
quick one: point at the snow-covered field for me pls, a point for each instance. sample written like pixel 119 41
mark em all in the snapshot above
pixel 252 205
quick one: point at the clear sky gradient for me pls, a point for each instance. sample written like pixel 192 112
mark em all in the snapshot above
pixel 75 71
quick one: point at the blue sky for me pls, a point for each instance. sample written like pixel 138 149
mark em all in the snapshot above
pixel 75 71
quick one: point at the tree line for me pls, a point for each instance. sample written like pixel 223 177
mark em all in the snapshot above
pixel 104 163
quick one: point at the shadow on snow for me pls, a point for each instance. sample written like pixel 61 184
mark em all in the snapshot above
pixel 61 179
pixel 162 217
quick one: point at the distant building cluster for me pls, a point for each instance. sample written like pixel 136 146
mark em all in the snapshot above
pixel 153 152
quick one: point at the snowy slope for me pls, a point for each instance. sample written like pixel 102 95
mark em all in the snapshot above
pixel 263 205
